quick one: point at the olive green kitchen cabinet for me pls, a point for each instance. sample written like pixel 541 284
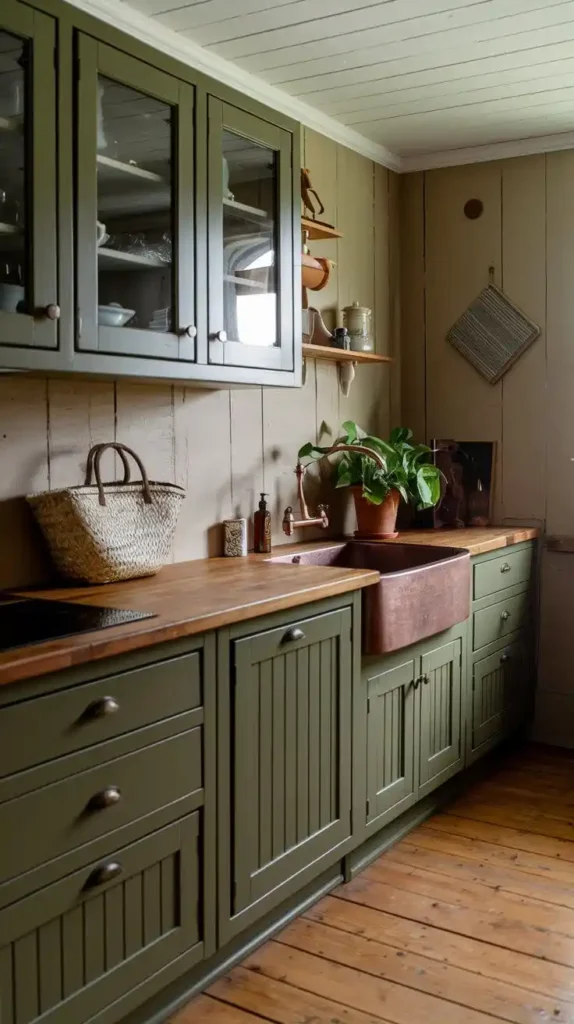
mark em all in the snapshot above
pixel 415 705
pixel 107 792
pixel 149 216
pixel 285 729
pixel 502 655
pixel 29 296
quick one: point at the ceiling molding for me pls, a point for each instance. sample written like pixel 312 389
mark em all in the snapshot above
pixel 494 151
pixel 144 28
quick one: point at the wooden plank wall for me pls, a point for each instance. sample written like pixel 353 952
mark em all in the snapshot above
pixel 526 233
pixel 223 446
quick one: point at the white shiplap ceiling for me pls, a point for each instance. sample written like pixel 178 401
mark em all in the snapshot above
pixel 414 79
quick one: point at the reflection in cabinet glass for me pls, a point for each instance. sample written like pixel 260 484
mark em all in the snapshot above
pixel 249 243
pixel 135 209
pixel 250 240
pixel 14 244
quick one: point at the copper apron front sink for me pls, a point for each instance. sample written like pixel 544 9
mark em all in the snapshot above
pixel 422 591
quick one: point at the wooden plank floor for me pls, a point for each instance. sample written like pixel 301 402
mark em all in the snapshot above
pixel 469 919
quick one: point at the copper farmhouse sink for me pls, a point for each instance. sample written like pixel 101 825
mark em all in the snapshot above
pixel 422 591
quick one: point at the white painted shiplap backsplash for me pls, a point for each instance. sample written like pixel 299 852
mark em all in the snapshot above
pixel 222 446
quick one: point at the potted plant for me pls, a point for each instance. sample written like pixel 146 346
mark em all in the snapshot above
pixel 377 489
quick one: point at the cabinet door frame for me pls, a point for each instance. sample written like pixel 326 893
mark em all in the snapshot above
pixel 435 769
pixel 36 329
pixel 95 58
pixel 387 803
pixel 221 116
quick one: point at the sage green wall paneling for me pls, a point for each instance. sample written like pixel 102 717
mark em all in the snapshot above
pixel 66 959
pixel 391 754
pixel 413 314
pixel 35 329
pixel 441 715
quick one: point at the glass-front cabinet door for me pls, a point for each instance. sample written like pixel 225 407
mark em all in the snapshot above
pixel 29 309
pixel 250 240
pixel 135 208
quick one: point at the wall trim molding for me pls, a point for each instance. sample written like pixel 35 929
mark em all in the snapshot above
pixel 142 27
pixel 492 151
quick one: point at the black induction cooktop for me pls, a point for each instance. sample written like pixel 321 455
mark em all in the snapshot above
pixel 26 621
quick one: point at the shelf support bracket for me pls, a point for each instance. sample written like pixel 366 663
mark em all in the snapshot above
pixel 346 374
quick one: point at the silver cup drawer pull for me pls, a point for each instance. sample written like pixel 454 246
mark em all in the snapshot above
pixel 108 797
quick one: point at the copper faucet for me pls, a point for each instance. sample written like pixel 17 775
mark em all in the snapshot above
pixel 321 519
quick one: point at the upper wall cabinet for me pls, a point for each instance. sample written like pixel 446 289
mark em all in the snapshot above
pixel 135 208
pixel 149 216
pixel 250 240
pixel 29 304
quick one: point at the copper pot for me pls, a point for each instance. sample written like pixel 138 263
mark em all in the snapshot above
pixel 315 271
pixel 376 520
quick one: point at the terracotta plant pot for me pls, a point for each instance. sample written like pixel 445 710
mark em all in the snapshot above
pixel 376 520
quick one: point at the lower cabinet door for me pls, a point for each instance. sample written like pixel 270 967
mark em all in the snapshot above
pixel 391 782
pixel 291 753
pixel 441 753
pixel 498 686
pixel 71 949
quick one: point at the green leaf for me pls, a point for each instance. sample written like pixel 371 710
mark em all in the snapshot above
pixel 351 431
pixel 305 450
pixel 344 480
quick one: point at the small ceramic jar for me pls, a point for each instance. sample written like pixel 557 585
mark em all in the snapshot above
pixel 357 320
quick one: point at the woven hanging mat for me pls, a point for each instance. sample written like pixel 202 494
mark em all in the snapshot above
pixel 492 333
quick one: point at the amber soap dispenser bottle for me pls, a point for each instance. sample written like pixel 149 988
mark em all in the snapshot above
pixel 262 528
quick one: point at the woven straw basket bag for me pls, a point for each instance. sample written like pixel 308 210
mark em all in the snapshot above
pixel 101 533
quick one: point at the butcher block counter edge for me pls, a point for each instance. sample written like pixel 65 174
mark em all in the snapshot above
pixel 187 598
pixel 194 597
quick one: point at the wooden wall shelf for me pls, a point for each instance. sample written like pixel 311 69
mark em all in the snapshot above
pixel 340 355
pixel 318 231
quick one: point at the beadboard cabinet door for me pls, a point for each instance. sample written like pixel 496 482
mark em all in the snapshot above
pixel 391 741
pixel 289 766
pixel 441 748
pixel 75 947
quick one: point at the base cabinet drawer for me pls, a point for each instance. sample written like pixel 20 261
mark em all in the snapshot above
pixel 43 728
pixel 499 619
pixel 50 821
pixel 70 950
pixel 507 570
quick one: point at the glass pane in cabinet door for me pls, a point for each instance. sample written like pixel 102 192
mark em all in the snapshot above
pixel 135 228
pixel 14 248
pixel 249 241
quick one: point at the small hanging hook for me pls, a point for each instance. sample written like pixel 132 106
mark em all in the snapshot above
pixel 491 275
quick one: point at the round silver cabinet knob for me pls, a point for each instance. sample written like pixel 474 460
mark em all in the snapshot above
pixel 52 311
pixel 220 336
pixel 191 331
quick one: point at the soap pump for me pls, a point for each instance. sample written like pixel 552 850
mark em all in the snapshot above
pixel 262 527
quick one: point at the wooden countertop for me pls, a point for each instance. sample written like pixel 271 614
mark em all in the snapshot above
pixel 188 598
pixel 193 597
pixel 476 539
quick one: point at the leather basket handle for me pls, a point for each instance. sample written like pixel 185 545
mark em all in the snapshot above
pixel 90 464
pixel 120 448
